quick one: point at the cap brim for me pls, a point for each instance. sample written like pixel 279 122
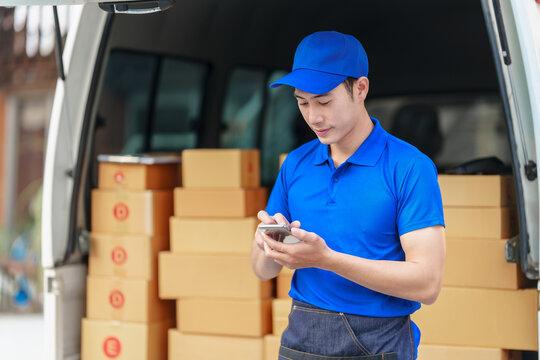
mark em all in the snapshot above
pixel 311 81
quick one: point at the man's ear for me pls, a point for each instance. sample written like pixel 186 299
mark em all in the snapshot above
pixel 361 88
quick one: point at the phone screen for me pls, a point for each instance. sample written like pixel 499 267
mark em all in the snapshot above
pixel 279 233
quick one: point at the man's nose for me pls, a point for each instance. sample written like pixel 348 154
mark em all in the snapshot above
pixel 313 116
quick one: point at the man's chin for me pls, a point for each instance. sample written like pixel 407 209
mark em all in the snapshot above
pixel 325 140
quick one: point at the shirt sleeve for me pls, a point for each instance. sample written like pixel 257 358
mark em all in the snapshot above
pixel 278 201
pixel 419 201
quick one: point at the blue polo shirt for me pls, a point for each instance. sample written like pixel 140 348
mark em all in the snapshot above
pixel 385 189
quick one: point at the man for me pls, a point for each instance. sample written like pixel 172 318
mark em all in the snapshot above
pixel 367 209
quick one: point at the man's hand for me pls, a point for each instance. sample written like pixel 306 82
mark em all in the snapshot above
pixel 418 278
pixel 311 251
pixel 267 220
pixel 265 267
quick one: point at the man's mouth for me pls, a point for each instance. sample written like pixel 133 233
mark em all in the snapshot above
pixel 321 132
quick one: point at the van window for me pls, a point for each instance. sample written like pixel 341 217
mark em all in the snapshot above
pixel 178 105
pixel 451 129
pixel 149 103
pixel 256 116
pixel 283 127
pixel 242 108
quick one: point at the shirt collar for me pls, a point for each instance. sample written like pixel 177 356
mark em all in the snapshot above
pixel 367 154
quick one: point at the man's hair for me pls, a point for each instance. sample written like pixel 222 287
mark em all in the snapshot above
pixel 349 84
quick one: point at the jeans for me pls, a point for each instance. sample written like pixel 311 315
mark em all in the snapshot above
pixel 318 334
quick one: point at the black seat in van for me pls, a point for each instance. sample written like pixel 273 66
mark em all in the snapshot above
pixel 418 124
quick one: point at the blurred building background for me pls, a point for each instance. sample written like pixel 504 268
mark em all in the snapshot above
pixel 28 76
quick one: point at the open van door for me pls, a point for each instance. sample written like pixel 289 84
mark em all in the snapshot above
pixel 64 298
pixel 514 29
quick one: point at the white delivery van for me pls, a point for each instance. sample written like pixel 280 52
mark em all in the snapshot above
pixel 459 79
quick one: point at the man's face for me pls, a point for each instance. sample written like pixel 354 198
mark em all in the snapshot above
pixel 332 116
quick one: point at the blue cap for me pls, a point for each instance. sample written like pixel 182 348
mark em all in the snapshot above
pixel 323 60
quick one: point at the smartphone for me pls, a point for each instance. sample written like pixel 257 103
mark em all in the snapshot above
pixel 278 232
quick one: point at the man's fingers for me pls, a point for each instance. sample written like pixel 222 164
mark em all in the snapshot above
pixel 272 253
pixel 303 235
pixel 295 224
pixel 267 249
pixel 298 233
pixel 259 240
pixel 265 218
pixel 275 255
pixel 273 244
pixel 280 219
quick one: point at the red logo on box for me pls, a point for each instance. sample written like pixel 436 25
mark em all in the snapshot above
pixel 250 167
pixel 112 347
pixel 116 298
pixel 120 211
pixel 119 255
pixel 119 177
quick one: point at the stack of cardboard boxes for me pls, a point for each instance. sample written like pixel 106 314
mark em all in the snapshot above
pixel 130 226
pixel 484 308
pixel 223 309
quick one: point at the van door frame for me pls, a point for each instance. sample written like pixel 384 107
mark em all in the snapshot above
pixel 64 275
pixel 522 145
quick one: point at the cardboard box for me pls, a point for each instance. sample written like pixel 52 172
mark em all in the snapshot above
pixel 109 298
pixel 279 325
pixel 480 223
pixel 441 352
pixel 219 203
pixel 131 212
pixel 283 283
pixel 123 340
pixel 116 176
pixel 481 263
pixel 221 168
pixel 221 276
pixel 477 190
pixel 281 309
pixel 505 319
pixel 282 158
pixel 132 256
pixel 286 271
pixel 179 175
pixel 271 347
pixel 216 316
pixel 220 236
pixel 207 347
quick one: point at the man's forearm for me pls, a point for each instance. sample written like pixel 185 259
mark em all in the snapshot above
pixel 406 280
pixel 264 267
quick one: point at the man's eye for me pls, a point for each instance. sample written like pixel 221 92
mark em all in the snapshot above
pixel 302 104
pixel 324 103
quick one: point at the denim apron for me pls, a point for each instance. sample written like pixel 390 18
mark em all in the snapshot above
pixel 318 334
